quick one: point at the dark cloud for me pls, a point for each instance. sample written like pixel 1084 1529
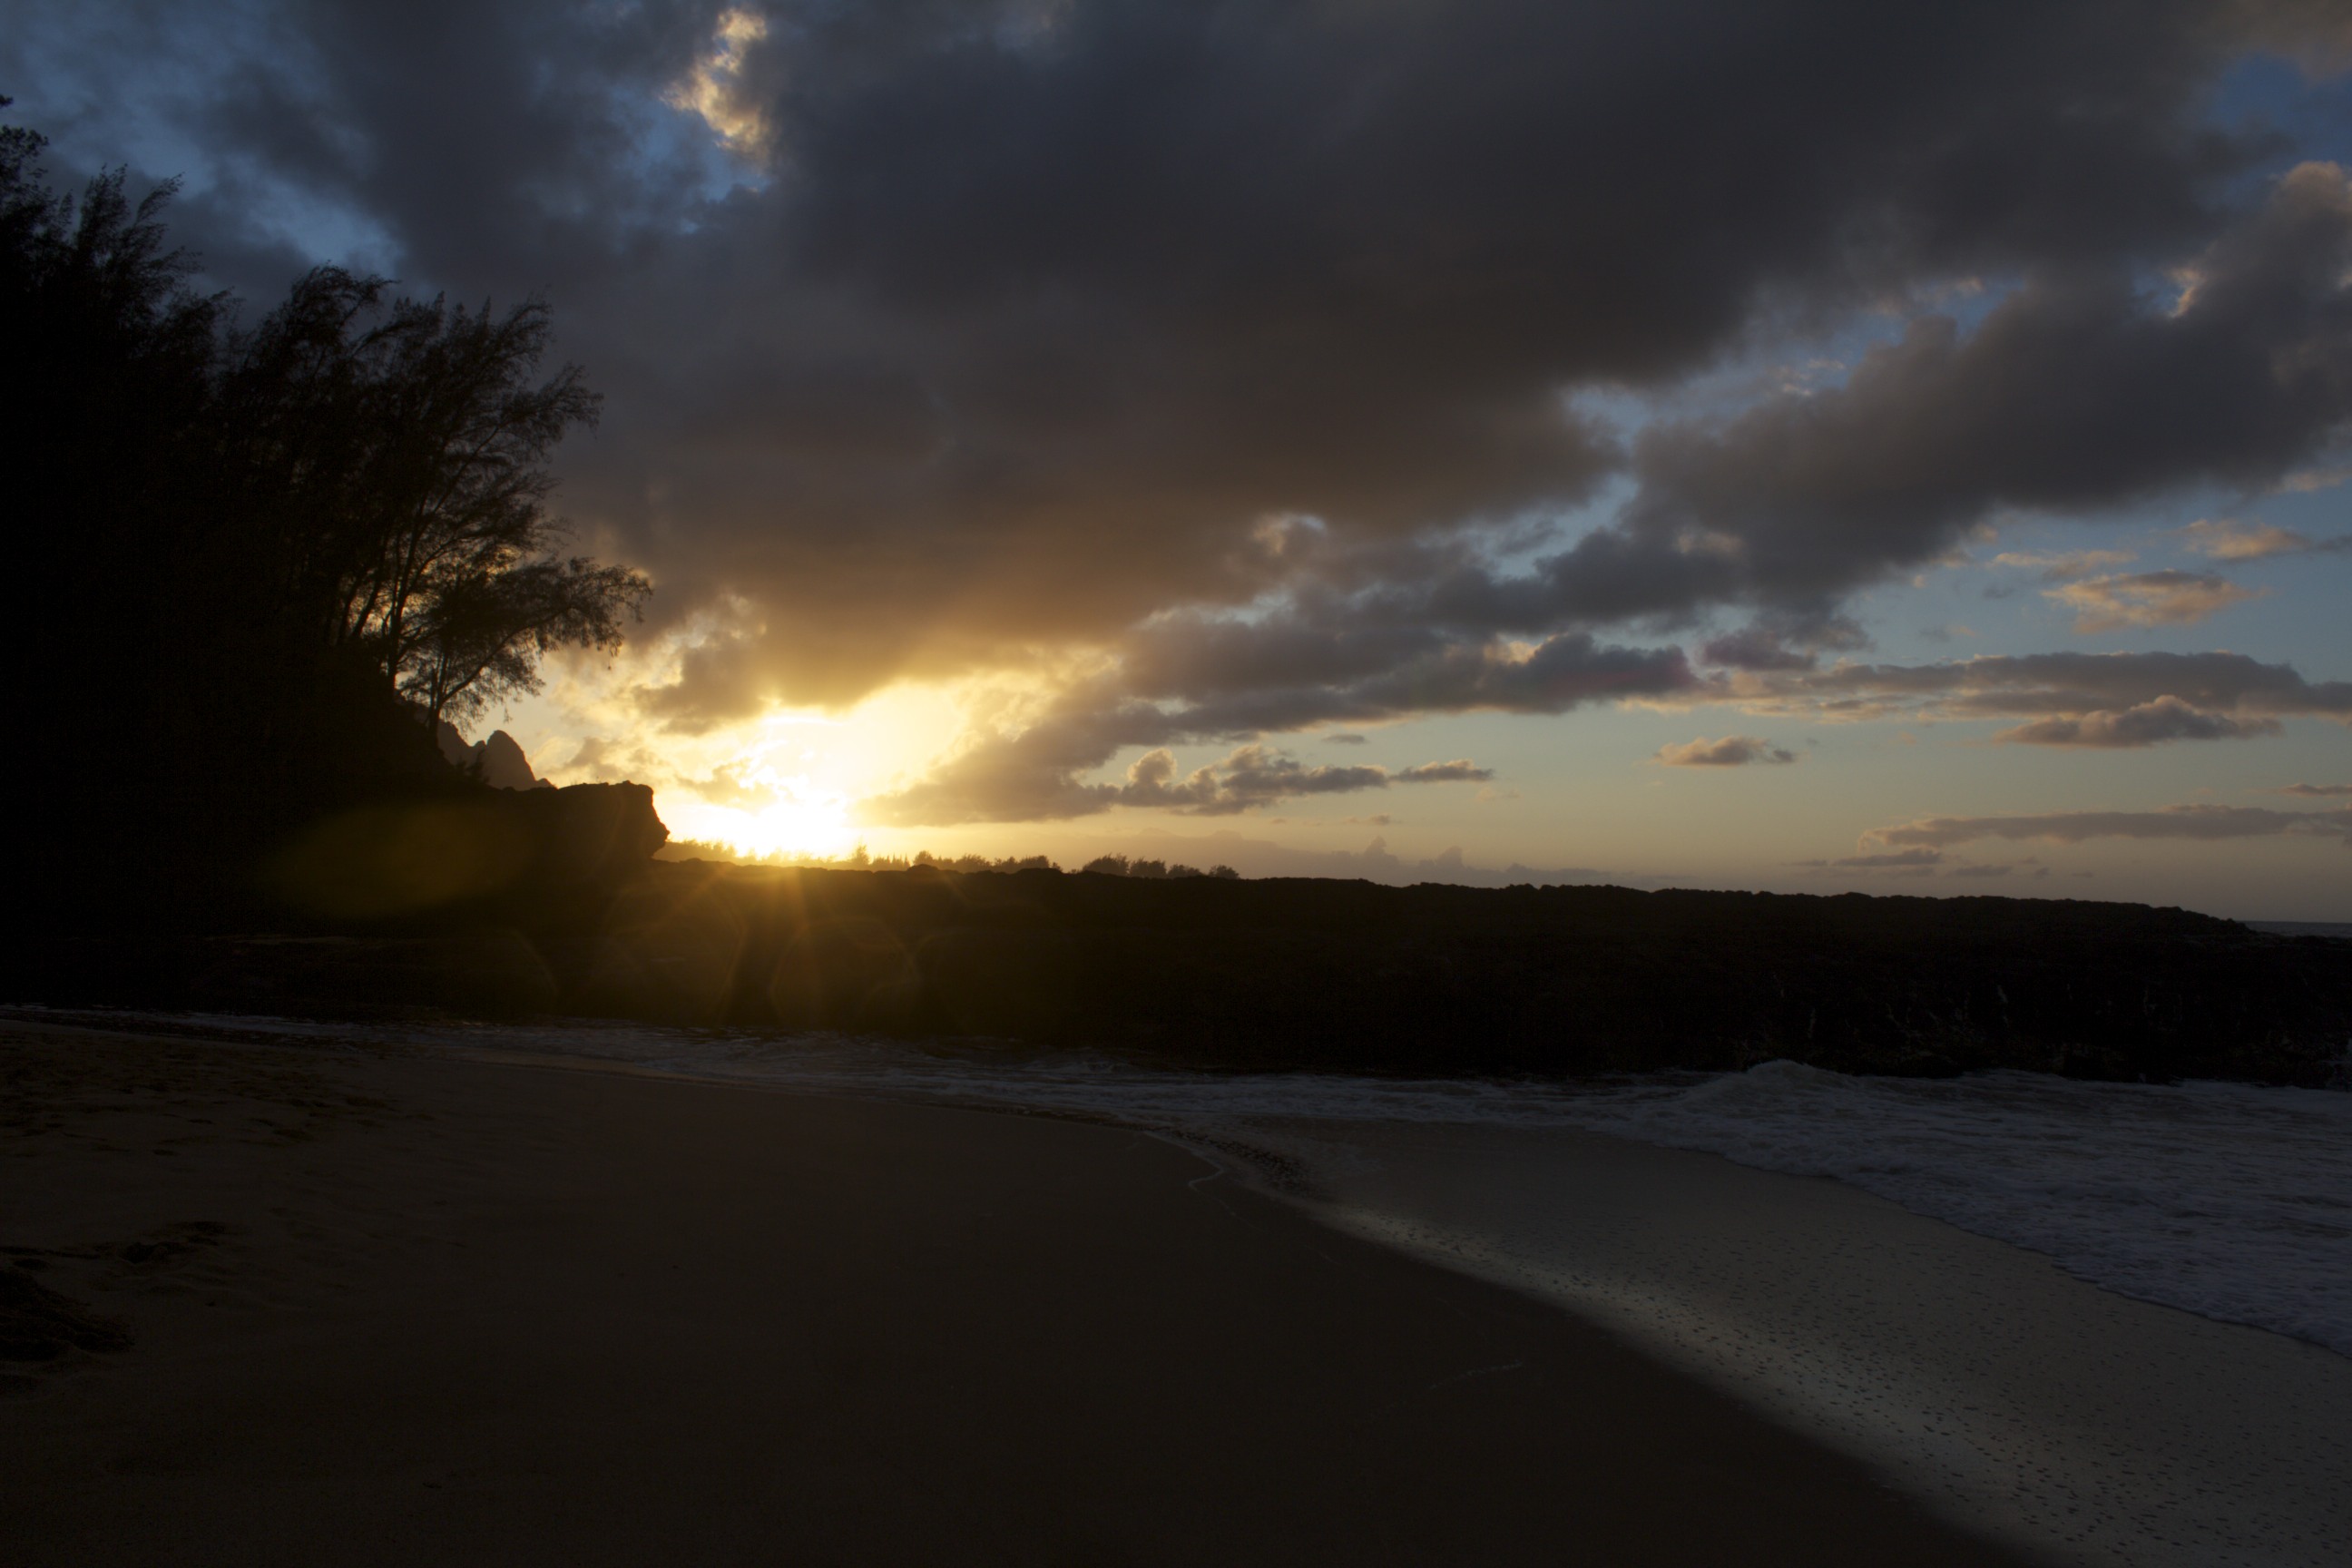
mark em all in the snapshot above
pixel 2077 392
pixel 2316 33
pixel 1753 647
pixel 1802 498
pixel 1251 776
pixel 1893 863
pixel 1731 752
pixel 1241 345
pixel 2121 699
pixel 1255 775
pixel 2148 724
pixel 1461 770
pixel 2189 822
pixel 2316 792
pixel 1893 860
pixel 1783 641
pixel 1035 311
pixel 1036 772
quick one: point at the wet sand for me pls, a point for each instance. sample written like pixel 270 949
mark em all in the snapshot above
pixel 2011 1396
pixel 388 1309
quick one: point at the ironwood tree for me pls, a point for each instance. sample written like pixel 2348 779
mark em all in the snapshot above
pixel 407 447
pixel 249 568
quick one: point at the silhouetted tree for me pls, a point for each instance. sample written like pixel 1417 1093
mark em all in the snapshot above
pixel 246 564
pixel 409 455
pixel 460 589
pixel 105 375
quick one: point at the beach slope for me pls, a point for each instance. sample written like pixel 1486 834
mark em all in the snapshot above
pixel 365 1309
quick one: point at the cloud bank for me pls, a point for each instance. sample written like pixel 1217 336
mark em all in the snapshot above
pixel 2117 701
pixel 1731 752
pixel 2204 823
pixel 2148 599
pixel 1251 369
pixel 2225 539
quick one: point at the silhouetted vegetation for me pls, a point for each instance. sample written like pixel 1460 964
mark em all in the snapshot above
pixel 1317 975
pixel 968 865
pixel 253 564
pixel 856 860
pixel 1120 866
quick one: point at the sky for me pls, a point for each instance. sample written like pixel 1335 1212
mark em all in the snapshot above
pixel 1813 448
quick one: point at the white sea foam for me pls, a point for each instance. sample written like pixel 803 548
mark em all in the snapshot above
pixel 2228 1200
pixel 2075 1423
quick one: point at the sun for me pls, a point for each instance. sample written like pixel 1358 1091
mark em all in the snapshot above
pixel 793 782
pixel 808 824
pixel 796 820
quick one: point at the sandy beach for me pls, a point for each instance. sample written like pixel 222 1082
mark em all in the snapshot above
pixel 370 1308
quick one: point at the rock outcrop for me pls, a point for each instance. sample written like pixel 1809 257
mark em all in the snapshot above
pixel 496 759
pixel 547 858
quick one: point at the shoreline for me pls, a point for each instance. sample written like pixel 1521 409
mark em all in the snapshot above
pixel 1932 1358
pixel 456 1308
pixel 2063 1416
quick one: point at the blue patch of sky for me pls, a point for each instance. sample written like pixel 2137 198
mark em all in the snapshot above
pixel 2005 609
pixel 1796 363
pixel 133 87
pixel 138 86
pixel 669 143
pixel 2312 116
pixel 92 81
pixel 2320 507
pixel 1519 544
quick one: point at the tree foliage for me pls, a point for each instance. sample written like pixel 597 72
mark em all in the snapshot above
pixel 406 448
pixel 250 567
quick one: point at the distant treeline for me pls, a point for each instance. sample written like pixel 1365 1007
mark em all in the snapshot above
pixel 859 859
pixel 254 563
